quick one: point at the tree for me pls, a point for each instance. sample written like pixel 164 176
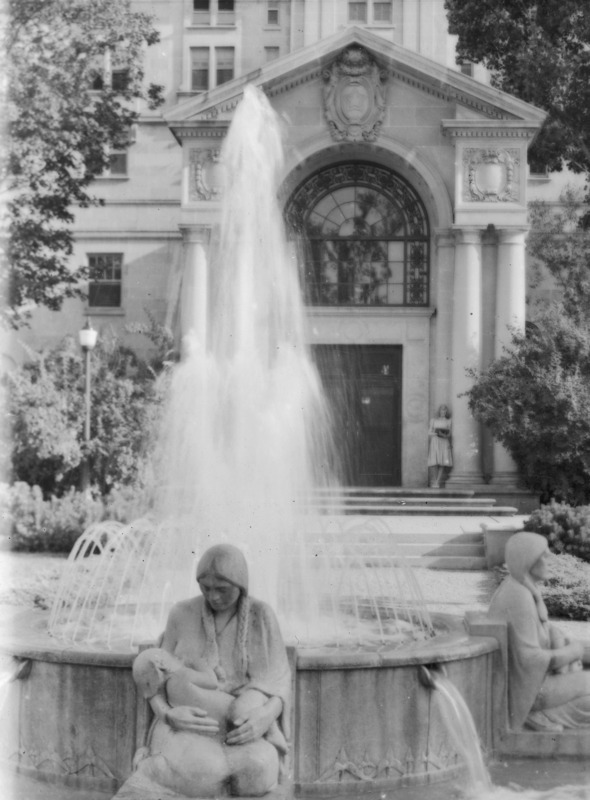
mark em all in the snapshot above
pixel 535 399
pixel 560 248
pixel 45 403
pixel 74 72
pixel 538 50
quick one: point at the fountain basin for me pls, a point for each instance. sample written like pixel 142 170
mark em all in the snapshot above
pixel 363 721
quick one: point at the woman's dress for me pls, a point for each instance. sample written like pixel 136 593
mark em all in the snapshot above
pixel 440 453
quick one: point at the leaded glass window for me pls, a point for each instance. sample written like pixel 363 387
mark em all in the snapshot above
pixel 365 238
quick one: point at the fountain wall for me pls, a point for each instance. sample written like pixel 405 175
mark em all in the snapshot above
pixel 76 720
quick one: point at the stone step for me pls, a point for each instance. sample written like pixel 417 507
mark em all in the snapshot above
pixel 402 500
pixel 416 549
pixel 394 491
pixel 420 510
pixel 431 538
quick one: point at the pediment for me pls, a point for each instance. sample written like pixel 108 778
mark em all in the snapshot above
pixel 210 113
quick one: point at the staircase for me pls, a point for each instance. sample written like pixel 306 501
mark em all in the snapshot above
pixel 434 528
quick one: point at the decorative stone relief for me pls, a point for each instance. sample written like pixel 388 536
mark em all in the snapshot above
pixel 491 175
pixel 354 96
pixel 204 181
pixel 345 769
pixel 86 762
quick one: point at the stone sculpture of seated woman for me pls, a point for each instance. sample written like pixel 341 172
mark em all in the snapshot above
pixel 219 686
pixel 548 686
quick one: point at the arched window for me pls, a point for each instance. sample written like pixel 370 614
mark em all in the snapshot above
pixel 365 237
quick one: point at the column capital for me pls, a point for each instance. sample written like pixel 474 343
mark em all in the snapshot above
pixel 195 234
pixel 465 235
pixel 516 235
pixel 444 237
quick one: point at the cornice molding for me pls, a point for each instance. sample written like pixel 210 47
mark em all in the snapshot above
pixel 486 129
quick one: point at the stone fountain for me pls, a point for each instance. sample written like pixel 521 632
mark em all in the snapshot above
pixel 245 441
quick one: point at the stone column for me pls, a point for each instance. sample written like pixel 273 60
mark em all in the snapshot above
pixel 441 343
pixel 194 288
pixel 510 316
pixel 466 352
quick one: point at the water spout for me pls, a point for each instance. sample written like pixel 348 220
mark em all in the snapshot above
pixel 461 727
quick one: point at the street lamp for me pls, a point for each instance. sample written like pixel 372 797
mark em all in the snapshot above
pixel 87 337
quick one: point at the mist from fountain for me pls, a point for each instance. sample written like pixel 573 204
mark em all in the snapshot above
pixel 245 441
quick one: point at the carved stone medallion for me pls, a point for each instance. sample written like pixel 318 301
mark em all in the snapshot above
pixel 491 175
pixel 204 181
pixel 354 96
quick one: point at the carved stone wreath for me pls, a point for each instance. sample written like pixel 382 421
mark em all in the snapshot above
pixel 204 182
pixel 354 96
pixel 491 175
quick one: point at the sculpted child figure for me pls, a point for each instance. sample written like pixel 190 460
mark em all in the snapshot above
pixel 219 686
pixel 156 669
pixel 548 684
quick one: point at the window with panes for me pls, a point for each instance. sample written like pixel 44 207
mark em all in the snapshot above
pixel 104 286
pixel 224 64
pixel 365 238
pixel 199 69
pixel 271 53
pixel 272 12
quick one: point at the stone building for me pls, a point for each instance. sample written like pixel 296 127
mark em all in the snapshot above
pixel 406 180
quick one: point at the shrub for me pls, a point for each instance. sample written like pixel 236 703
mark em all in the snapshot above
pixel 36 524
pixel 567 587
pixel 45 403
pixel 535 400
pixel 566 529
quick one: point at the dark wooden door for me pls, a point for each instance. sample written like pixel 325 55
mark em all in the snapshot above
pixel 363 385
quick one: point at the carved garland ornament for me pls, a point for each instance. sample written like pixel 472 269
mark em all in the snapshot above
pixel 491 175
pixel 204 180
pixel 354 96
pixel 345 769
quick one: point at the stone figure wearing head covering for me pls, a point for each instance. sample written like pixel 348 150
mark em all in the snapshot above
pixel 548 688
pixel 219 685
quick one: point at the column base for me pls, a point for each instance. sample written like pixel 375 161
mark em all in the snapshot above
pixel 505 479
pixel 465 479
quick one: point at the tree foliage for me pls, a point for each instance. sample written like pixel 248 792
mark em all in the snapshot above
pixel 46 407
pixel 560 249
pixel 535 399
pixel 65 116
pixel 538 50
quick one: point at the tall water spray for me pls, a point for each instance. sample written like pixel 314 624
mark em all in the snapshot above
pixel 244 443
pixel 244 439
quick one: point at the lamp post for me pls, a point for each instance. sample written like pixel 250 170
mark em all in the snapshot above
pixel 87 337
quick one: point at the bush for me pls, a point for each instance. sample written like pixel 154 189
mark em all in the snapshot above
pixel 535 400
pixel 35 524
pixel 567 587
pixel 46 410
pixel 566 529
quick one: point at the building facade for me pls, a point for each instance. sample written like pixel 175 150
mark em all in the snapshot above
pixel 405 188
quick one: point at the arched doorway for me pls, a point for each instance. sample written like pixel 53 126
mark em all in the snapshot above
pixel 364 241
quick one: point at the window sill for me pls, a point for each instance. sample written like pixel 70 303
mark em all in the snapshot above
pixel 112 178
pixel 539 177
pixel 207 26
pixel 105 311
